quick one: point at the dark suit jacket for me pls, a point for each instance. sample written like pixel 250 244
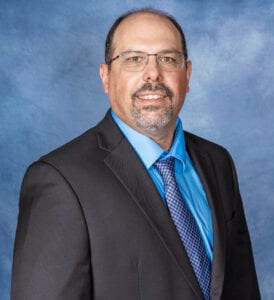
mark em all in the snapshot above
pixel 92 225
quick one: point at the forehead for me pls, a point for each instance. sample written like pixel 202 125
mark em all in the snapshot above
pixel 146 32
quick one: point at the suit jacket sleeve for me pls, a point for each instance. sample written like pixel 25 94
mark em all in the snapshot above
pixel 51 252
pixel 242 271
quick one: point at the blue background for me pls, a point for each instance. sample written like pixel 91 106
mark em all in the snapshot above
pixel 50 92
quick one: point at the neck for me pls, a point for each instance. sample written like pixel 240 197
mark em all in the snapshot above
pixel 163 137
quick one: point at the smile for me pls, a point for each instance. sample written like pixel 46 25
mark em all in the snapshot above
pixel 151 97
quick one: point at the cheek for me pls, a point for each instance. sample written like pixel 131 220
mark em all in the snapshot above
pixel 128 86
pixel 176 85
pixel 181 85
pixel 120 95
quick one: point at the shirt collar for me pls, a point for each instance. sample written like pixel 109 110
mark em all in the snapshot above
pixel 148 150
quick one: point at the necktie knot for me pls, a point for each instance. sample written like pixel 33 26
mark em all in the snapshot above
pixel 166 167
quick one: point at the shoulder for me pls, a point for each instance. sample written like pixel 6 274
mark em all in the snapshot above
pixel 194 142
pixel 85 142
pixel 70 157
pixel 93 145
pixel 214 157
pixel 218 155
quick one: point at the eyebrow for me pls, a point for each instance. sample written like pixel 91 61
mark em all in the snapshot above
pixel 161 51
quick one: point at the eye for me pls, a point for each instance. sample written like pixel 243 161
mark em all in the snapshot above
pixel 134 59
pixel 167 59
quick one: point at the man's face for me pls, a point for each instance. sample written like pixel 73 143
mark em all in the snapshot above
pixel 147 100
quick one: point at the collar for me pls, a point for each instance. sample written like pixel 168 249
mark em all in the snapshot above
pixel 148 150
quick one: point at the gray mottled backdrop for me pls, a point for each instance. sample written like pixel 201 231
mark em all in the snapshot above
pixel 50 92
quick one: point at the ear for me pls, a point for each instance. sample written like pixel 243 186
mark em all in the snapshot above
pixel 104 76
pixel 188 74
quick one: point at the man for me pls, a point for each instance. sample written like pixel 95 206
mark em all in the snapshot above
pixel 135 208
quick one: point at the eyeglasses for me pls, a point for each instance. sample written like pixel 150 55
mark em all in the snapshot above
pixel 135 61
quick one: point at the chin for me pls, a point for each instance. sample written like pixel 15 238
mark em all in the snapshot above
pixel 152 122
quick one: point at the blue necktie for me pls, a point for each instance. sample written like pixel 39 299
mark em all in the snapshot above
pixel 186 226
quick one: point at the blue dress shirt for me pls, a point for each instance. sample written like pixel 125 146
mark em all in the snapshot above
pixel 187 178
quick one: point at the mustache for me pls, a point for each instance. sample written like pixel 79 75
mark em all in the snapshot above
pixel 149 87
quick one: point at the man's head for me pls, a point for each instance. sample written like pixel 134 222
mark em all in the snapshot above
pixel 146 90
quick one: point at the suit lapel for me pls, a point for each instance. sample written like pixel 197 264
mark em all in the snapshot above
pixel 205 168
pixel 127 167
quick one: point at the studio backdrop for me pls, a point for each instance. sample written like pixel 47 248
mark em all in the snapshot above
pixel 50 92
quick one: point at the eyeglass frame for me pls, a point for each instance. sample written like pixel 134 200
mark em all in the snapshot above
pixel 147 56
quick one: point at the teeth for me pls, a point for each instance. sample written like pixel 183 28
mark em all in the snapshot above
pixel 150 97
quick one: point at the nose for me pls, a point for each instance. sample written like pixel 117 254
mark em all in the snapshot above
pixel 152 71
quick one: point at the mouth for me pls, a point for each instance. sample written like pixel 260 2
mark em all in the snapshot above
pixel 151 96
pixel 153 93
